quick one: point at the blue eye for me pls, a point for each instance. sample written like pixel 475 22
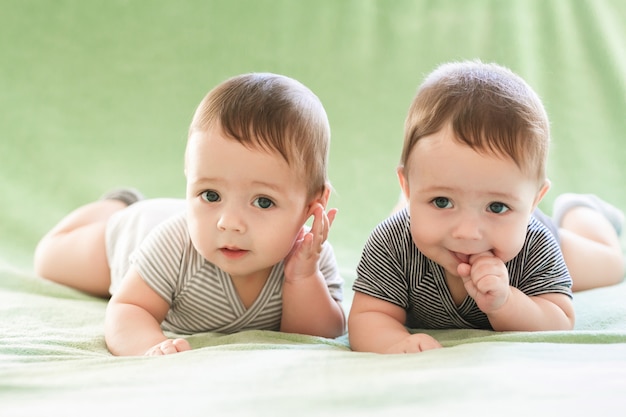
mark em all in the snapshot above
pixel 263 202
pixel 210 196
pixel 498 208
pixel 442 202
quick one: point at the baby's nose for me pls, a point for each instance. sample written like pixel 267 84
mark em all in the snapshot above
pixel 467 227
pixel 232 220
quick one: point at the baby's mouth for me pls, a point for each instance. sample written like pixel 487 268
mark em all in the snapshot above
pixel 233 252
pixel 461 257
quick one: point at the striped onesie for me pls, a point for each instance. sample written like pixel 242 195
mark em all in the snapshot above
pixel 393 269
pixel 152 236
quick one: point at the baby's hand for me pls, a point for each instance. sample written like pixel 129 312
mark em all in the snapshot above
pixel 168 347
pixel 486 280
pixel 301 263
pixel 415 343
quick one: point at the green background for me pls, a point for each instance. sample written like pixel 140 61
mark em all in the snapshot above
pixel 96 94
pixel 99 94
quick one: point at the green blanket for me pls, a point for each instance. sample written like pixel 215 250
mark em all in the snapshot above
pixel 53 361
pixel 99 94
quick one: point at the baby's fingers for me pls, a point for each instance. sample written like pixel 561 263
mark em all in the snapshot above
pixel 319 229
pixel 324 221
pixel 181 345
pixel 418 342
pixel 168 347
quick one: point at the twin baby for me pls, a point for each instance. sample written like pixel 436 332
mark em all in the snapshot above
pixel 466 247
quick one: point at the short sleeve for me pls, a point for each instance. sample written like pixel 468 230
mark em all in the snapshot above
pixel 540 268
pixel 160 257
pixel 382 272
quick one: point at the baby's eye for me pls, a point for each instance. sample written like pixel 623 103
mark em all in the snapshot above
pixel 210 196
pixel 263 202
pixel 442 202
pixel 498 208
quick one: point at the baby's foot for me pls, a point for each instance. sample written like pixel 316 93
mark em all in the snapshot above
pixel 566 202
pixel 125 195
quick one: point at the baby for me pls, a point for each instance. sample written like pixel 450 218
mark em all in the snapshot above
pixel 235 254
pixel 471 250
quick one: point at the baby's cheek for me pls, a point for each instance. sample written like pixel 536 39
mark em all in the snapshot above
pixel 424 236
pixel 510 248
pixel 201 242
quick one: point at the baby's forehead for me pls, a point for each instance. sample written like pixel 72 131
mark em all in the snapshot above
pixel 518 155
pixel 261 148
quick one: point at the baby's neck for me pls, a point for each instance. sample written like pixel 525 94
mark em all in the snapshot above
pixel 249 287
pixel 456 288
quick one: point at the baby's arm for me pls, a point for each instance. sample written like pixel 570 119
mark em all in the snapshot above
pixel 552 311
pixel 133 320
pixel 486 280
pixel 378 326
pixel 308 307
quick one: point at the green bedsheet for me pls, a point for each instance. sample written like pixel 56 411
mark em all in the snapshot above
pixel 53 361
pixel 99 94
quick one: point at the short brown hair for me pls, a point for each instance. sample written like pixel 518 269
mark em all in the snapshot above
pixel 488 107
pixel 274 113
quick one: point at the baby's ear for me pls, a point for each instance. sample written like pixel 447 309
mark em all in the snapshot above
pixel 542 192
pixel 321 198
pixel 325 195
pixel 404 182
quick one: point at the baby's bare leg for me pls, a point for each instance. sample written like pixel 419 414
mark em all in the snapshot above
pixel 591 248
pixel 73 253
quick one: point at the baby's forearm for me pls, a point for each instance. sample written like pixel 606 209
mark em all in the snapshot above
pixel 372 331
pixel 131 330
pixel 308 308
pixel 537 313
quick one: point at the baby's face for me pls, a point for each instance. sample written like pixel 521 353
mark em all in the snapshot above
pixel 245 206
pixel 463 202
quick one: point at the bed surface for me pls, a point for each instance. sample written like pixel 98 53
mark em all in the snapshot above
pixel 99 94
pixel 53 361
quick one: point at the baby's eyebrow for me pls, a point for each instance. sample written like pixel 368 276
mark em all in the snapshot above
pixel 202 180
pixel 437 189
pixel 265 184
pixel 502 196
